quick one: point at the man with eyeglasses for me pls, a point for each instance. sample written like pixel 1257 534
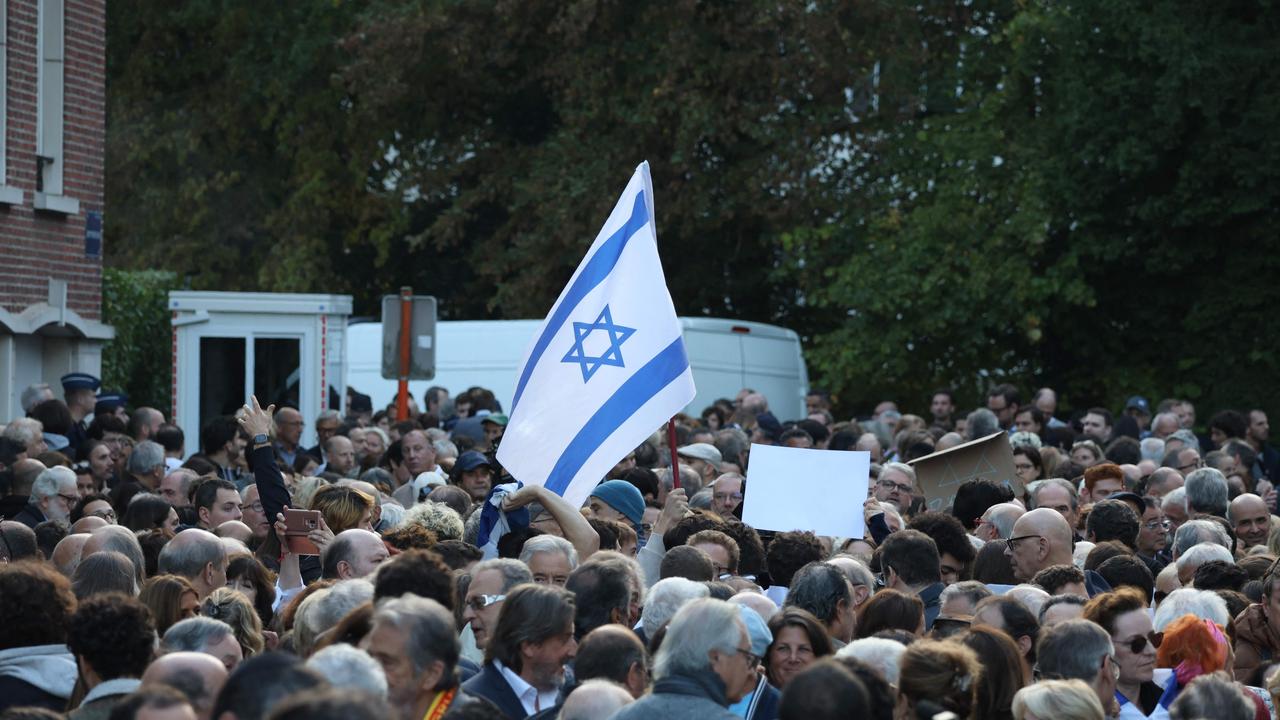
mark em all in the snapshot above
pixel 1041 538
pixel 1251 520
pixel 1185 460
pixel 1153 532
pixel 289 426
pixel 490 581
pixel 53 495
pixel 252 512
pixel 726 494
pixel 897 484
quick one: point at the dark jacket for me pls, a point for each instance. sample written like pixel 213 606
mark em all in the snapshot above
pixel 29 516
pixel 16 693
pixel 682 697
pixel 764 702
pixel 931 596
pixel 490 685
pixel 11 505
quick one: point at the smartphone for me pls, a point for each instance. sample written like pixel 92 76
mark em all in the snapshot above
pixel 298 525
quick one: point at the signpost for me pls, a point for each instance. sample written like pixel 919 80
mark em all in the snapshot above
pixel 408 342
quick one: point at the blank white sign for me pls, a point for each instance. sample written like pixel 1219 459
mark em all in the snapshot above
pixel 801 489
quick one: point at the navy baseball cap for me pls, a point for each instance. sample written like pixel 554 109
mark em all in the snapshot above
pixel 470 460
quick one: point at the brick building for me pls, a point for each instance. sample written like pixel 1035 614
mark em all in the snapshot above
pixel 52 136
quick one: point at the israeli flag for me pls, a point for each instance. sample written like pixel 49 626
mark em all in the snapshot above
pixel 608 366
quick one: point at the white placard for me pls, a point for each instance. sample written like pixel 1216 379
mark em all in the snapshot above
pixel 801 489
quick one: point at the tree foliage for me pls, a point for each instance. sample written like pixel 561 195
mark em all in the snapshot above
pixel 137 361
pixel 1087 213
pixel 1063 193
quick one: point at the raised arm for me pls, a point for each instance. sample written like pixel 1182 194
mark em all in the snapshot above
pixel 575 527
pixel 256 421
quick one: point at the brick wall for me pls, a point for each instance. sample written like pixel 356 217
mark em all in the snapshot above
pixel 37 245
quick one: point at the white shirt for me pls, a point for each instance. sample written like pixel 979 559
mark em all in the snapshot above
pixel 533 699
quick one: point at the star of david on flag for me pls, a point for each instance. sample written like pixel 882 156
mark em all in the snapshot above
pixel 612 355
pixel 607 367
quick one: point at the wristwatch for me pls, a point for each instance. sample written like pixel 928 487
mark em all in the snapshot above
pixel 260 439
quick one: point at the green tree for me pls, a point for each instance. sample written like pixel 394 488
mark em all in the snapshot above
pixel 1088 209
pixel 135 303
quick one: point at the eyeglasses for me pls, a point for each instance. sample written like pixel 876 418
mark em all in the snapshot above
pixel 481 602
pixel 1138 643
pixel 722 497
pixel 1199 463
pixel 1157 525
pixel 891 485
pixel 71 499
pixel 1020 538
pixel 256 507
pixel 752 658
pixel 107 514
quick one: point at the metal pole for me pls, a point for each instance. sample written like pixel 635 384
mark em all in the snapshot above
pixel 671 443
pixel 406 322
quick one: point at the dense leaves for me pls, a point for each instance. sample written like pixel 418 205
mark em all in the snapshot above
pixel 138 360
pixel 1066 193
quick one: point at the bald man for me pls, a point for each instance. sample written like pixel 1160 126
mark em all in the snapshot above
pixel 1251 521
pixel 199 556
pixel 198 676
pixel 88 524
pixel 121 540
pixel 66 554
pixel 1040 538
pixel 595 699
pixel 234 529
pixel 353 553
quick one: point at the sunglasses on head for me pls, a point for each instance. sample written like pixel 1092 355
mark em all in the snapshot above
pixel 1139 642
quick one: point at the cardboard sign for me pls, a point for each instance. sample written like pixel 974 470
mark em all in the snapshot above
pixel 803 489
pixel 940 474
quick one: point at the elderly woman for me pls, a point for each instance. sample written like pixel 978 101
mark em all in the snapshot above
pixel 799 639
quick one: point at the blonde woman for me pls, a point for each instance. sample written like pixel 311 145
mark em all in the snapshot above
pixel 233 608
pixel 1057 700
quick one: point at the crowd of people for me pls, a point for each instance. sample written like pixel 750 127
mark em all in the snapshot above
pixel 1133 574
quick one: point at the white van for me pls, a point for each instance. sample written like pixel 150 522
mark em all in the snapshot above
pixel 726 356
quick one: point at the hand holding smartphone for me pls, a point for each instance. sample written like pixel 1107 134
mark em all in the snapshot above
pixel 299 524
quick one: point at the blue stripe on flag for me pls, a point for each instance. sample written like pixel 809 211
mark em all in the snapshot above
pixel 596 270
pixel 634 393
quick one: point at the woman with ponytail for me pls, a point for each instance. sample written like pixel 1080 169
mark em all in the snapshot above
pixel 942 673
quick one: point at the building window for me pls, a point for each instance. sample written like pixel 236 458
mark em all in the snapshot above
pixel 50 160
pixel 8 195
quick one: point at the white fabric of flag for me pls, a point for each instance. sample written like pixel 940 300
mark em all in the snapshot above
pixel 608 366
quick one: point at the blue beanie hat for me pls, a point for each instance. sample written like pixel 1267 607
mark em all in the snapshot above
pixel 623 497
